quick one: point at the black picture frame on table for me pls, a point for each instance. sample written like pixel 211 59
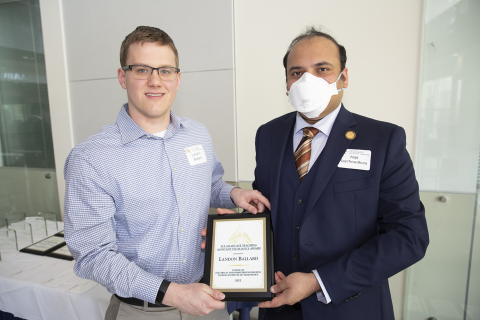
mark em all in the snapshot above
pixel 61 253
pixel 243 294
pixel 47 248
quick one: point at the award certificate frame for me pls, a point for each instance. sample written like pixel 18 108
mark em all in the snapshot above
pixel 61 253
pixel 239 256
pixel 45 246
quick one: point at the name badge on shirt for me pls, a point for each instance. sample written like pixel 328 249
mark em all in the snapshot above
pixel 356 159
pixel 195 155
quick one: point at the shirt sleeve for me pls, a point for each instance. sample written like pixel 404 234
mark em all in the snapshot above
pixel 220 195
pixel 322 295
pixel 91 237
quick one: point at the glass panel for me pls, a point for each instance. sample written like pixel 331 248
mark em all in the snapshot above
pixel 25 117
pixel 3 226
pixel 473 302
pixel 14 217
pixel 437 285
pixel 38 225
pixel 449 111
pixel 478 175
pixel 23 228
pixel 27 167
pixel 8 242
pixel 446 283
pixel 50 218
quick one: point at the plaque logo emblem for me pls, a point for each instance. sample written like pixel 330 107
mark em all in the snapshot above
pixel 239 237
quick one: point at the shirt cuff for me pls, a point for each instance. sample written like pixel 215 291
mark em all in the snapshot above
pixel 225 196
pixel 146 286
pixel 322 296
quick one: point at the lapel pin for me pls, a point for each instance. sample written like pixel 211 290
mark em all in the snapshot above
pixel 350 135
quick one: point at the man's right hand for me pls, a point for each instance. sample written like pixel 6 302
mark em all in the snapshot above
pixel 196 299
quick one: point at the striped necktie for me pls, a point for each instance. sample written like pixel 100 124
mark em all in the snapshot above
pixel 302 154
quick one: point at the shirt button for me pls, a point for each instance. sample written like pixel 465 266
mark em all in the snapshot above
pixel 174 169
pixel 295 257
pixel 299 201
pixel 180 200
pixel 181 229
pixel 297 229
pixel 184 260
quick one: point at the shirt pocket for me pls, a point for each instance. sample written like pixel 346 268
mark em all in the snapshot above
pixel 353 185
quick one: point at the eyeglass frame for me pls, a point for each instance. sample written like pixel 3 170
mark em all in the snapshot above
pixel 129 67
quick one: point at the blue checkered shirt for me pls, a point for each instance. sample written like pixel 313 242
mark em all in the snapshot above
pixel 135 207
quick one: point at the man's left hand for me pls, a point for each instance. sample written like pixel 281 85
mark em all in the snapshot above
pixel 250 200
pixel 219 211
pixel 290 290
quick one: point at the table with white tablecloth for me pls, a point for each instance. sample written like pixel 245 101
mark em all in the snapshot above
pixel 42 288
pixel 30 299
pixel 37 287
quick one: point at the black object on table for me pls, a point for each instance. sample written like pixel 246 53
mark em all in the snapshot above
pixel 8 316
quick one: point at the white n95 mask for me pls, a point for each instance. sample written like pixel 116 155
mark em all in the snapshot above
pixel 310 95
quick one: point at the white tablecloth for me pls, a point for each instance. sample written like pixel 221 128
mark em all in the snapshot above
pixel 26 296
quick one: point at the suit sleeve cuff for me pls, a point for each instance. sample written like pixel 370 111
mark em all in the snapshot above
pixel 322 296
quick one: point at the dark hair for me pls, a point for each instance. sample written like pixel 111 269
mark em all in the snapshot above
pixel 311 32
pixel 144 34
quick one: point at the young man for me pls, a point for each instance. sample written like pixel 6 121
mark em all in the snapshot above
pixel 345 205
pixel 138 193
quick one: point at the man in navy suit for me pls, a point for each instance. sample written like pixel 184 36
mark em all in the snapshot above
pixel 347 217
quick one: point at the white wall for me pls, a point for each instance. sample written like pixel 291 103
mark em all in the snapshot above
pixel 203 34
pixel 58 89
pixel 382 39
pixel 93 32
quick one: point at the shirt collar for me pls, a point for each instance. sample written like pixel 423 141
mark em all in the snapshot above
pixel 324 125
pixel 131 131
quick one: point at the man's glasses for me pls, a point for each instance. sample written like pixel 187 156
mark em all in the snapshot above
pixel 145 72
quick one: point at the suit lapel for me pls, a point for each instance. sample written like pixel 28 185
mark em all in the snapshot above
pixel 331 155
pixel 279 143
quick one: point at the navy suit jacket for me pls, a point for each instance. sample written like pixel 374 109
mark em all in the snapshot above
pixel 360 227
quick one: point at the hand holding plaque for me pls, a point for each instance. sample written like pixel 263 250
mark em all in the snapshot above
pixel 239 256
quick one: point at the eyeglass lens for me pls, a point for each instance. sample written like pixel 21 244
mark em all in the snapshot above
pixel 144 73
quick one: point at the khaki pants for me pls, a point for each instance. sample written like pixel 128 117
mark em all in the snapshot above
pixel 118 310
